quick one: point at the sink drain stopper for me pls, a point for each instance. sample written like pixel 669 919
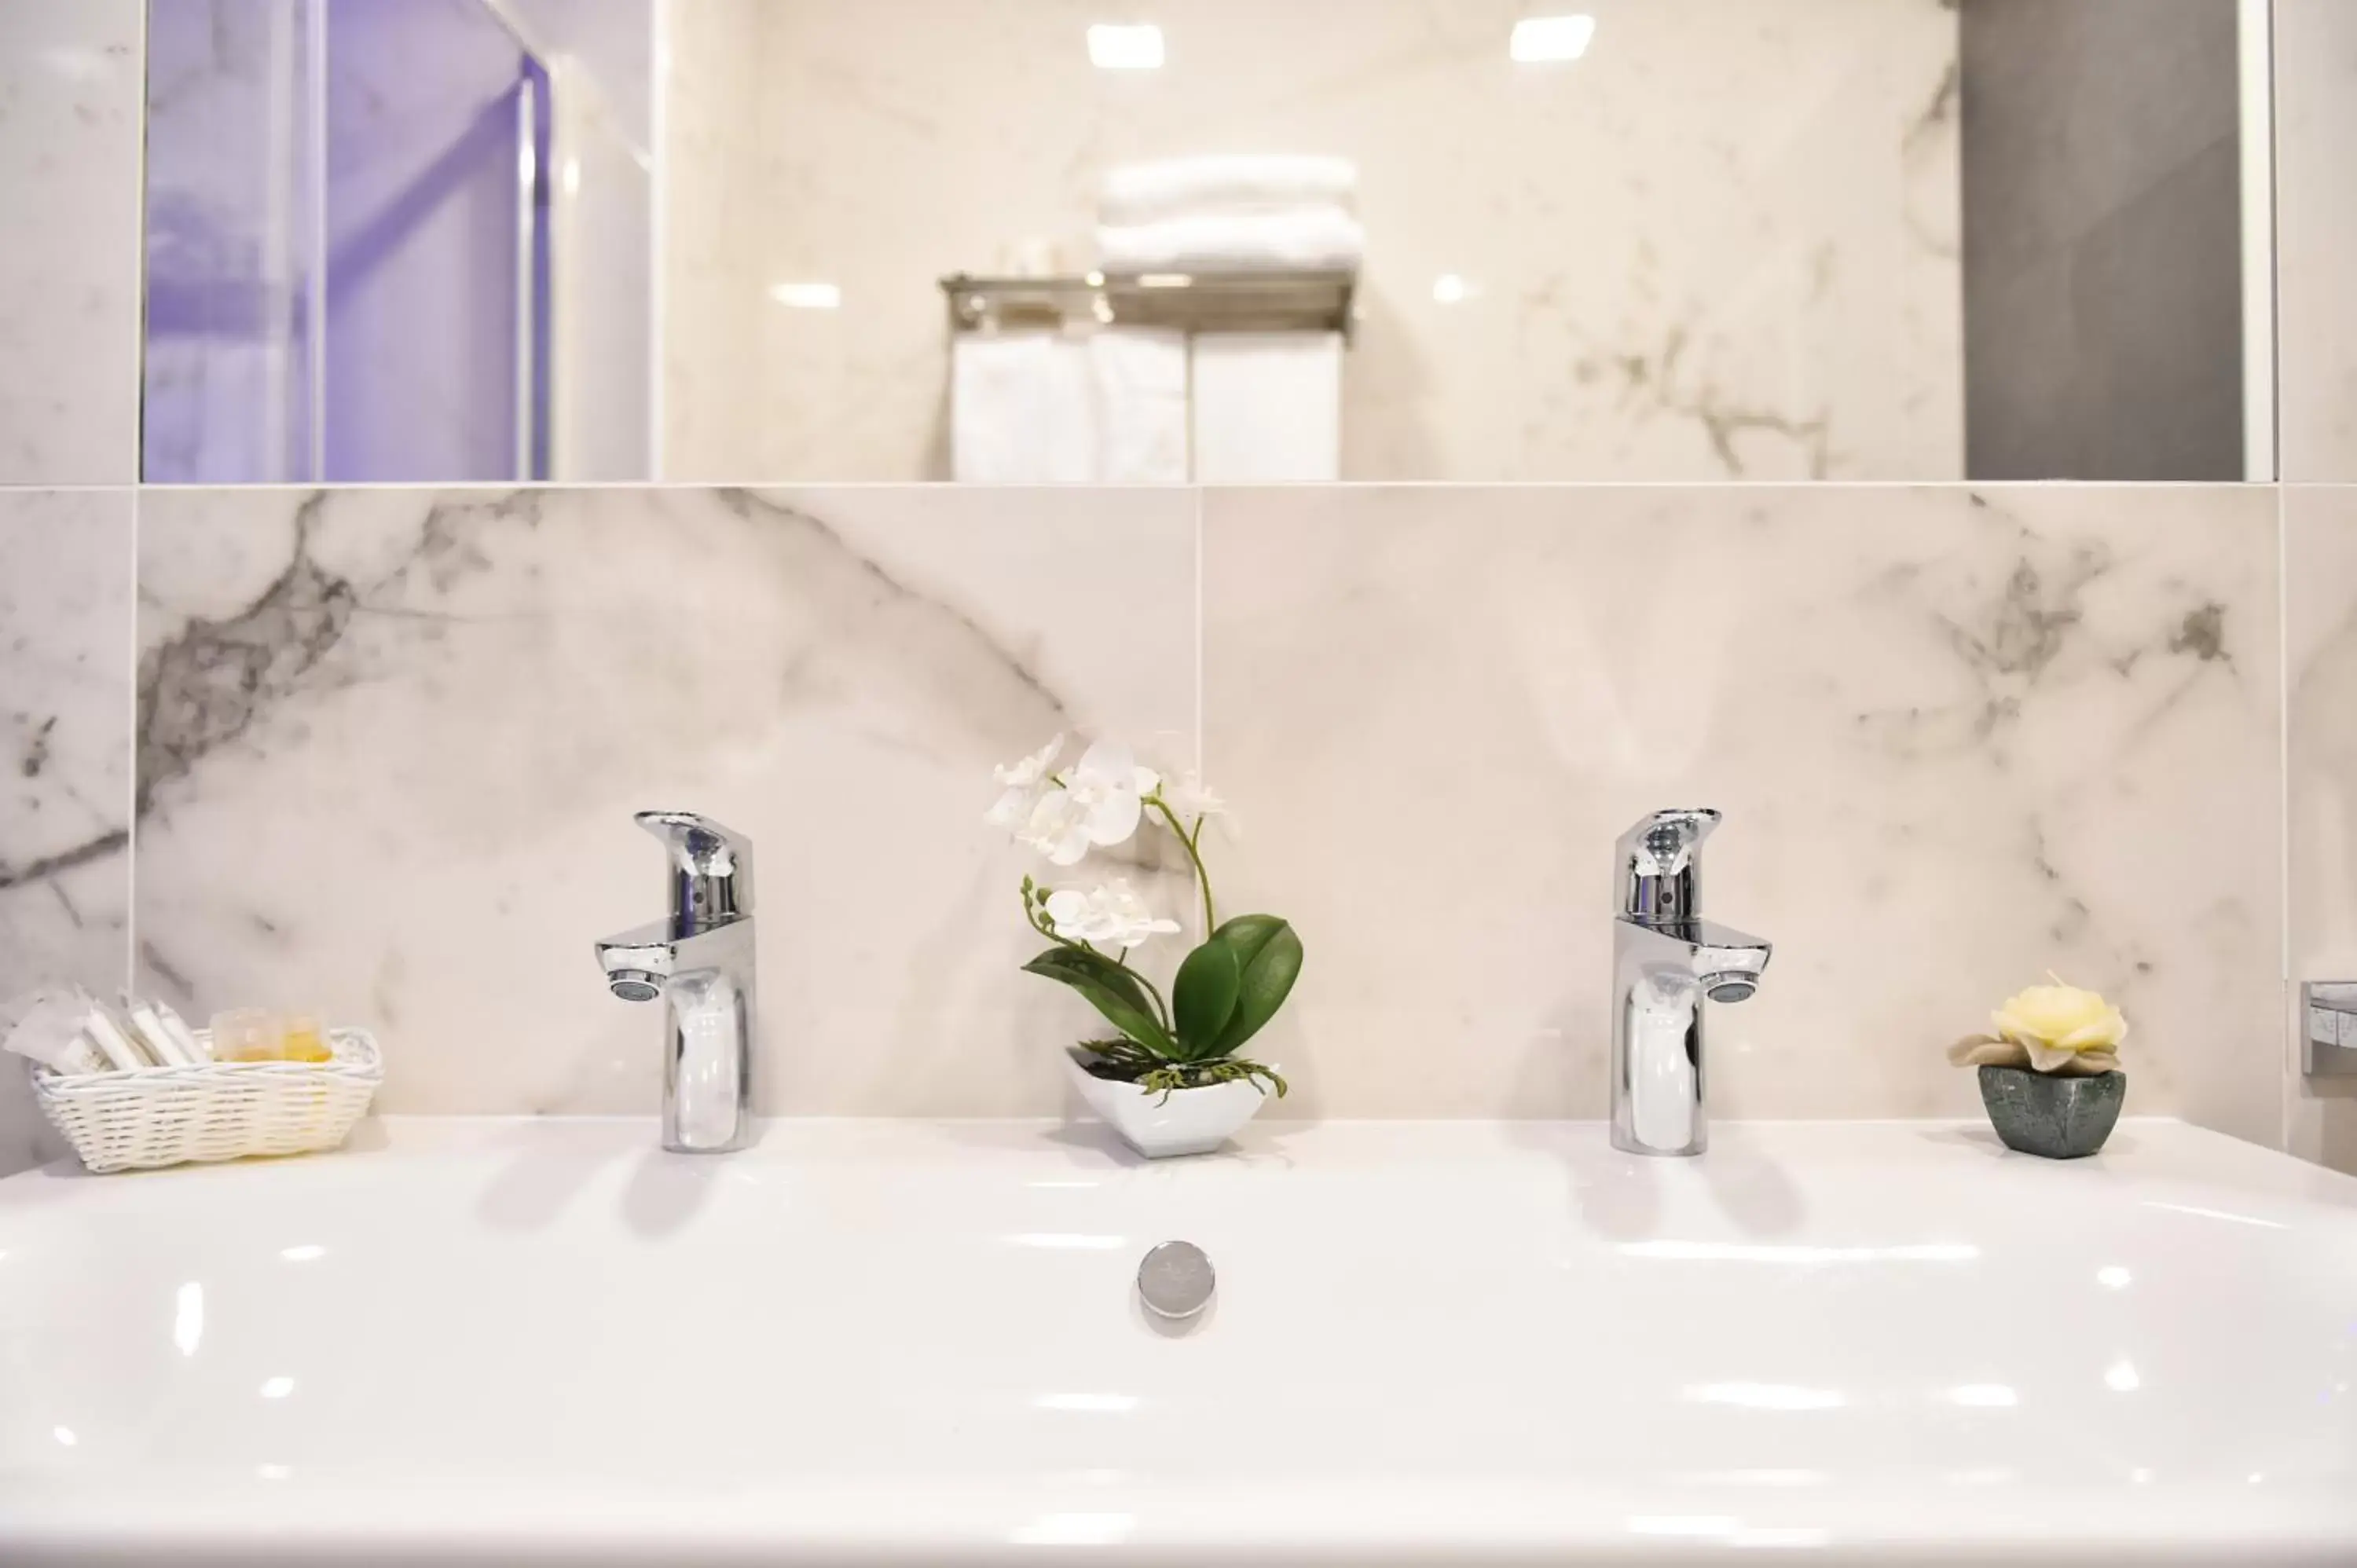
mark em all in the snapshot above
pixel 1176 1280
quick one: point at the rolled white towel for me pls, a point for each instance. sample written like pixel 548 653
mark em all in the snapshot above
pixel 1135 194
pixel 1316 238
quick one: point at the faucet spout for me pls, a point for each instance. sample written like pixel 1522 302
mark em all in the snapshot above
pixel 1667 961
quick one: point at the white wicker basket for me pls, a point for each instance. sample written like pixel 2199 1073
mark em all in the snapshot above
pixel 221 1110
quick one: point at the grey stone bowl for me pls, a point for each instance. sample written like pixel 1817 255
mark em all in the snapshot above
pixel 2057 1118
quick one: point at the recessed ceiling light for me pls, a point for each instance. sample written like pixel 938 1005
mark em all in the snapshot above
pixel 1114 47
pixel 1540 38
pixel 808 295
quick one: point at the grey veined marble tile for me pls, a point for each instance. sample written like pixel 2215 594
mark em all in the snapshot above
pixel 65 755
pixel 1961 738
pixel 390 742
pixel 2321 683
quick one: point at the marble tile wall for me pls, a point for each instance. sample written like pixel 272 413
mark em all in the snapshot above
pixel 1962 737
pixel 2320 671
pixel 65 758
pixel 71 92
pixel 1725 243
pixel 390 742
pixel 2316 138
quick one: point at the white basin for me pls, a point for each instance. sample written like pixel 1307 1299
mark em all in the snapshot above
pixel 486 1340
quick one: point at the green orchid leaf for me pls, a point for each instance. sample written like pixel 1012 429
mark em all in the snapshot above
pixel 1203 998
pixel 1112 991
pixel 1268 961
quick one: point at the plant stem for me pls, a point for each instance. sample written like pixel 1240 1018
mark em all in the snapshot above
pixel 1039 922
pixel 1161 1007
pixel 1187 841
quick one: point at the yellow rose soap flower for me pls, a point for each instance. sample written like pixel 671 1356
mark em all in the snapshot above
pixel 2061 1018
pixel 2056 1028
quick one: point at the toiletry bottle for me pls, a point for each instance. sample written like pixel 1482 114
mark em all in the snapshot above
pixel 306 1040
pixel 248 1034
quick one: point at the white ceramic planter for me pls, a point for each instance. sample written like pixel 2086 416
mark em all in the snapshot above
pixel 1184 1122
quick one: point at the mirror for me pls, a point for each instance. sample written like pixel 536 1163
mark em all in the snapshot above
pixel 1209 240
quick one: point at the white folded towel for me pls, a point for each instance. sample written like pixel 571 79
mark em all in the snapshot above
pixel 1268 407
pixel 1135 194
pixel 1314 238
pixel 1046 408
pixel 1140 378
pixel 1021 409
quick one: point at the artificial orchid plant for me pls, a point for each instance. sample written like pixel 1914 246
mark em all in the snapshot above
pixel 1224 991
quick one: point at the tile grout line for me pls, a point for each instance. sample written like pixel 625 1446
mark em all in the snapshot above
pixel 130 968
pixel 1202 763
pixel 2288 1052
pixel 138 367
pixel 2258 37
pixel 131 762
pixel 658 193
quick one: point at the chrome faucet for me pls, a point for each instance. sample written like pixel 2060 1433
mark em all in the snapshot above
pixel 1665 959
pixel 699 960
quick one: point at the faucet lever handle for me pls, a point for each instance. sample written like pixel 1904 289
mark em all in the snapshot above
pixel 711 871
pixel 1661 865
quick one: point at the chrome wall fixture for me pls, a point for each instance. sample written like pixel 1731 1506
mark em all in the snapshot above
pixel 1191 301
pixel 2329 1008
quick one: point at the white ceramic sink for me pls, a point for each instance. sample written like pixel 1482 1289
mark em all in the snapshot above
pixel 491 1340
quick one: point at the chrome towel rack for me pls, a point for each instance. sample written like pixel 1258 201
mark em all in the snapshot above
pixel 1191 302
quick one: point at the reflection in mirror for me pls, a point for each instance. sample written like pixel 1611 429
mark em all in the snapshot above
pixel 2316 115
pixel 1220 241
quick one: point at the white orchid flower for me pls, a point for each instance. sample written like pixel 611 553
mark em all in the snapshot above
pixel 1191 797
pixel 1057 827
pixel 1114 913
pixel 1020 786
pixel 1100 803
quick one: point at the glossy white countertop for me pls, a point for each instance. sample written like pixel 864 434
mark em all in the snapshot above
pixel 880 1342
